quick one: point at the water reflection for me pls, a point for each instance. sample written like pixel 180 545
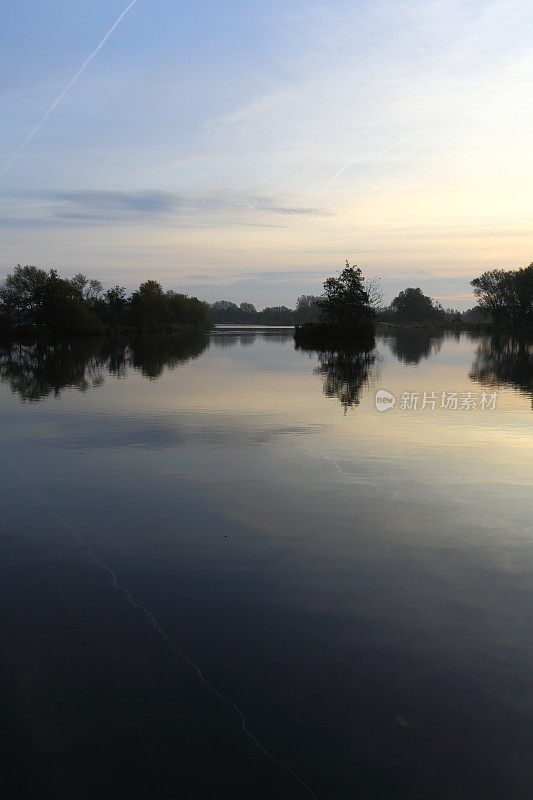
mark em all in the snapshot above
pixel 411 346
pixel 231 338
pixel 35 370
pixel 345 372
pixel 506 361
pixel 336 576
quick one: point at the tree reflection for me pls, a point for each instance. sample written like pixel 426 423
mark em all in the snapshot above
pixel 345 372
pixel 225 340
pixel 505 361
pixel 35 370
pixel 412 345
pixel 230 338
pixel 151 355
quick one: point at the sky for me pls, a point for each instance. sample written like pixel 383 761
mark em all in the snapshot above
pixel 244 150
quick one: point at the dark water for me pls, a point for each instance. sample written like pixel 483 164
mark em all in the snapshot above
pixel 359 583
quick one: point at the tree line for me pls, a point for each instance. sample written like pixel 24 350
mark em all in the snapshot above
pixel 225 312
pixel 34 300
pixel 505 299
pixel 410 306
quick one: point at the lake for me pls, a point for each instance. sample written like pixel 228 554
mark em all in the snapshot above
pixel 226 573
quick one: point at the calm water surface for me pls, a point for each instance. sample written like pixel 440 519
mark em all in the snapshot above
pixel 359 583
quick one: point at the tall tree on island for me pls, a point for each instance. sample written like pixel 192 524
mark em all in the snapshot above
pixel 347 311
pixel 346 301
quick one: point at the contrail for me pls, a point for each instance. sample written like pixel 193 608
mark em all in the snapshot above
pixel 361 160
pixel 67 88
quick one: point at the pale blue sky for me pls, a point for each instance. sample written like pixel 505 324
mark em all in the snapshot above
pixel 245 149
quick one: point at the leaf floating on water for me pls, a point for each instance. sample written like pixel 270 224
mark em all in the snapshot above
pixel 401 721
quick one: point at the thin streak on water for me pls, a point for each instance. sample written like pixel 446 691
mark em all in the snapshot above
pixel 169 641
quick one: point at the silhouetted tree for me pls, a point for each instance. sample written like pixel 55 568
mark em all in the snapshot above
pixel 494 290
pixel 90 288
pixel 148 305
pixel 345 302
pixel 276 315
pixel 413 306
pixel 375 294
pixel 34 300
pixel 226 312
pixel 345 312
pixel 114 307
pixel 475 316
pixel 523 282
pixel 184 310
pixel 22 297
pixel 31 298
pixel 307 309
pixel 507 295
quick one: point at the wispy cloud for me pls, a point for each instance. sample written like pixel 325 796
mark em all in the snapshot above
pixel 112 206
pixel 109 204
pixel 362 159
pixel 250 111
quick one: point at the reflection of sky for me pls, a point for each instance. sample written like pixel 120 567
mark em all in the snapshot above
pixel 261 405
pixel 331 570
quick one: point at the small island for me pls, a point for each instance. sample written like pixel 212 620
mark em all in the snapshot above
pixel 347 313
